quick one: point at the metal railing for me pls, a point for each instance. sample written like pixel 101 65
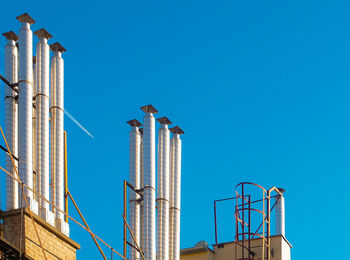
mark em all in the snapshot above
pixel 244 207
pixel 85 226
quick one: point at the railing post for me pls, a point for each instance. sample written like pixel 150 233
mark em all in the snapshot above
pixel 65 178
pixel 125 228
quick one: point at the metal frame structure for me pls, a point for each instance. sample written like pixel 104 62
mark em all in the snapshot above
pixel 24 187
pixel 67 195
pixel 245 206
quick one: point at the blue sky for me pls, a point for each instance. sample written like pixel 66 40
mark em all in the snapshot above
pixel 261 89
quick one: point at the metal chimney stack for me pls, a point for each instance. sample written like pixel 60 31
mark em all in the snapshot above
pixel 175 193
pixel 280 215
pixel 163 189
pixel 34 142
pixel 134 179
pixel 142 229
pixel 25 104
pixel 57 135
pixel 149 182
pixel 11 117
pixel 42 120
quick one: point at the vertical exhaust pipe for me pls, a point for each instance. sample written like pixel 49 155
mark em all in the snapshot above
pixel 25 105
pixel 163 189
pixel 42 120
pixel 142 229
pixel 134 179
pixel 57 135
pixel 149 182
pixel 280 215
pixel 175 193
pixel 35 174
pixel 11 115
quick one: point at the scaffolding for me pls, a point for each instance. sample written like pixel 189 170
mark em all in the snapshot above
pixel 11 250
pixel 6 247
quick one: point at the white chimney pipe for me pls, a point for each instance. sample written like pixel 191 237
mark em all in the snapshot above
pixel 11 124
pixel 175 193
pixel 134 179
pixel 42 119
pixel 25 103
pixel 280 215
pixel 149 182
pixel 57 135
pixel 142 229
pixel 163 189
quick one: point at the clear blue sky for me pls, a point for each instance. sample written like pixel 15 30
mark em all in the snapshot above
pixel 261 89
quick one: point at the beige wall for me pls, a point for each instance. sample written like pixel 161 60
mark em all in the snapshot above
pixel 198 256
pixel 280 251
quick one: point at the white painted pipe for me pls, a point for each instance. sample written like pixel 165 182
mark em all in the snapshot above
pixel 280 215
pixel 134 180
pixel 43 115
pixel 25 103
pixel 163 190
pixel 11 124
pixel 149 182
pixel 57 135
pixel 175 193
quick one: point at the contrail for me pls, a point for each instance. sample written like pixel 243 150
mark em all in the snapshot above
pixel 77 123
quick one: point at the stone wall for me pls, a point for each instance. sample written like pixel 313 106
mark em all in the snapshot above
pixel 55 243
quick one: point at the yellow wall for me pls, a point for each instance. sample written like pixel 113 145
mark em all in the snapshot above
pixel 227 251
pixel 198 256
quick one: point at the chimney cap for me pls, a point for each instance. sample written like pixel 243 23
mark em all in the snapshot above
pixel 177 130
pixel 11 36
pixel 57 47
pixel 25 18
pixel 134 122
pixel 34 59
pixel 42 33
pixel 141 130
pixel 164 121
pixel 281 190
pixel 149 109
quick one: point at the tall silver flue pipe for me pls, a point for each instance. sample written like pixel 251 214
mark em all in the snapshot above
pixel 34 142
pixel 134 180
pixel 142 229
pixel 280 215
pixel 25 103
pixel 42 127
pixel 163 189
pixel 149 182
pixel 175 193
pixel 11 117
pixel 57 134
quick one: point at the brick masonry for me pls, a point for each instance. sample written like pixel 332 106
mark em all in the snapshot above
pixel 55 243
